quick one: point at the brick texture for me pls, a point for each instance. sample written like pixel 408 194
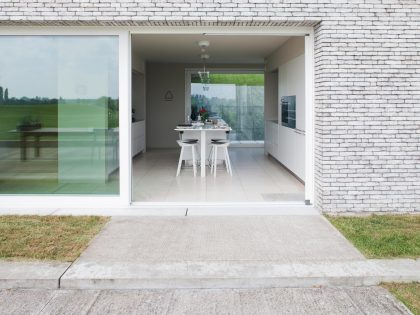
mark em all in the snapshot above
pixel 367 80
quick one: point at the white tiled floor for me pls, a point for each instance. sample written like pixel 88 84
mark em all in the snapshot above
pixel 256 178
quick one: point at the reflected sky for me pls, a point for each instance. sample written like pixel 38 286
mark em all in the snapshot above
pixel 70 67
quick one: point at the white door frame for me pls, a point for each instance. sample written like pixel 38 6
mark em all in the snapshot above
pixel 308 32
pixel 309 119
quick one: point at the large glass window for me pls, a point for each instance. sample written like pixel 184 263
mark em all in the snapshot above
pixel 59 115
pixel 237 98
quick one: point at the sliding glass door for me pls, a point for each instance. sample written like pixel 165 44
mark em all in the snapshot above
pixel 237 98
pixel 59 109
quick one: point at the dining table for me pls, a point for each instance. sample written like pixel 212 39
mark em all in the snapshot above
pixel 204 133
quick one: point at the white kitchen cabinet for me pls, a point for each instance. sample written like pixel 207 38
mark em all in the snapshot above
pixel 267 138
pixel 287 146
pixel 271 138
pixel 291 150
pixel 138 137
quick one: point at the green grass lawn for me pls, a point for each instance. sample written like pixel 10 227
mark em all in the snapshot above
pixel 60 238
pixel 408 293
pixel 250 79
pixel 382 236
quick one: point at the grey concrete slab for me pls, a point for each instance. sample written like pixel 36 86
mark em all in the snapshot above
pixel 280 238
pixel 315 301
pixel 255 210
pixel 253 302
pixel 126 212
pixel 236 274
pixel 25 302
pixel 310 301
pixel 70 302
pixel 374 300
pixel 219 302
pixel 132 302
pixel 41 274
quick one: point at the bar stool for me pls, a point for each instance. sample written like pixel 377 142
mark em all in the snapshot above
pixel 223 145
pixel 210 155
pixel 187 143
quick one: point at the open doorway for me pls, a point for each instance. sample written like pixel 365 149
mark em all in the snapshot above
pixel 255 88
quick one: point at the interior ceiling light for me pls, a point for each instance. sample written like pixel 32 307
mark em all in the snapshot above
pixel 204 75
pixel 204 44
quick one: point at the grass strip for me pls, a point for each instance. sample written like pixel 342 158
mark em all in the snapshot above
pixel 382 236
pixel 60 238
pixel 407 293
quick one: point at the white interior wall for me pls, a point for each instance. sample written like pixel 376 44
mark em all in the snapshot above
pixel 138 87
pixel 138 95
pixel 289 60
pixel 292 48
pixel 271 80
pixel 162 115
pixel 138 64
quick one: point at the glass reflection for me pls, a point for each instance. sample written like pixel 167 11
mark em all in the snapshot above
pixel 59 115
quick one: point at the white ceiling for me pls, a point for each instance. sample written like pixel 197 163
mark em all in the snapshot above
pixel 223 48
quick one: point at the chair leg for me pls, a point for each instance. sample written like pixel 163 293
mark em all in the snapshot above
pixel 228 161
pixel 180 161
pixel 225 159
pixel 211 160
pixel 210 156
pixel 194 162
pixel 215 160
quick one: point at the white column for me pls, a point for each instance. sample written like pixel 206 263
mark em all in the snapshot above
pixel 309 119
pixel 125 116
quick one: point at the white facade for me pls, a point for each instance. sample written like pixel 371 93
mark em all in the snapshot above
pixel 366 82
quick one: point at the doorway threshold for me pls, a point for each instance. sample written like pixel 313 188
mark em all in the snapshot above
pixel 227 209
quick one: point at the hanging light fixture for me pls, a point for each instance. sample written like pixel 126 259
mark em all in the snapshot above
pixel 204 75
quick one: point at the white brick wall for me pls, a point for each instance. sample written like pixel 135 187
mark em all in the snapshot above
pixel 367 80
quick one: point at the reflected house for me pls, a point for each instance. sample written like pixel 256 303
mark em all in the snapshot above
pixel 93 149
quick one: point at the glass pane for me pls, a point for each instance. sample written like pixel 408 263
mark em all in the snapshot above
pixel 237 98
pixel 59 115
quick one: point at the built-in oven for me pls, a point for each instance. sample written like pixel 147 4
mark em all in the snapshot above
pixel 288 111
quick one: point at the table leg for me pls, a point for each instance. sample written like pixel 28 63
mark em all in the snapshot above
pixel 37 146
pixel 23 147
pixel 203 153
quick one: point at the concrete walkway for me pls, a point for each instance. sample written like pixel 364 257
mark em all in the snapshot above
pixel 236 238
pixel 212 252
pixel 227 252
pixel 371 300
pixel 200 251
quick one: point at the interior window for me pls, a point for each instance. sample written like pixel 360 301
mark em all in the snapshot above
pixel 237 98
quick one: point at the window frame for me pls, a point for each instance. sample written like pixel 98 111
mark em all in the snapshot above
pixel 49 201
